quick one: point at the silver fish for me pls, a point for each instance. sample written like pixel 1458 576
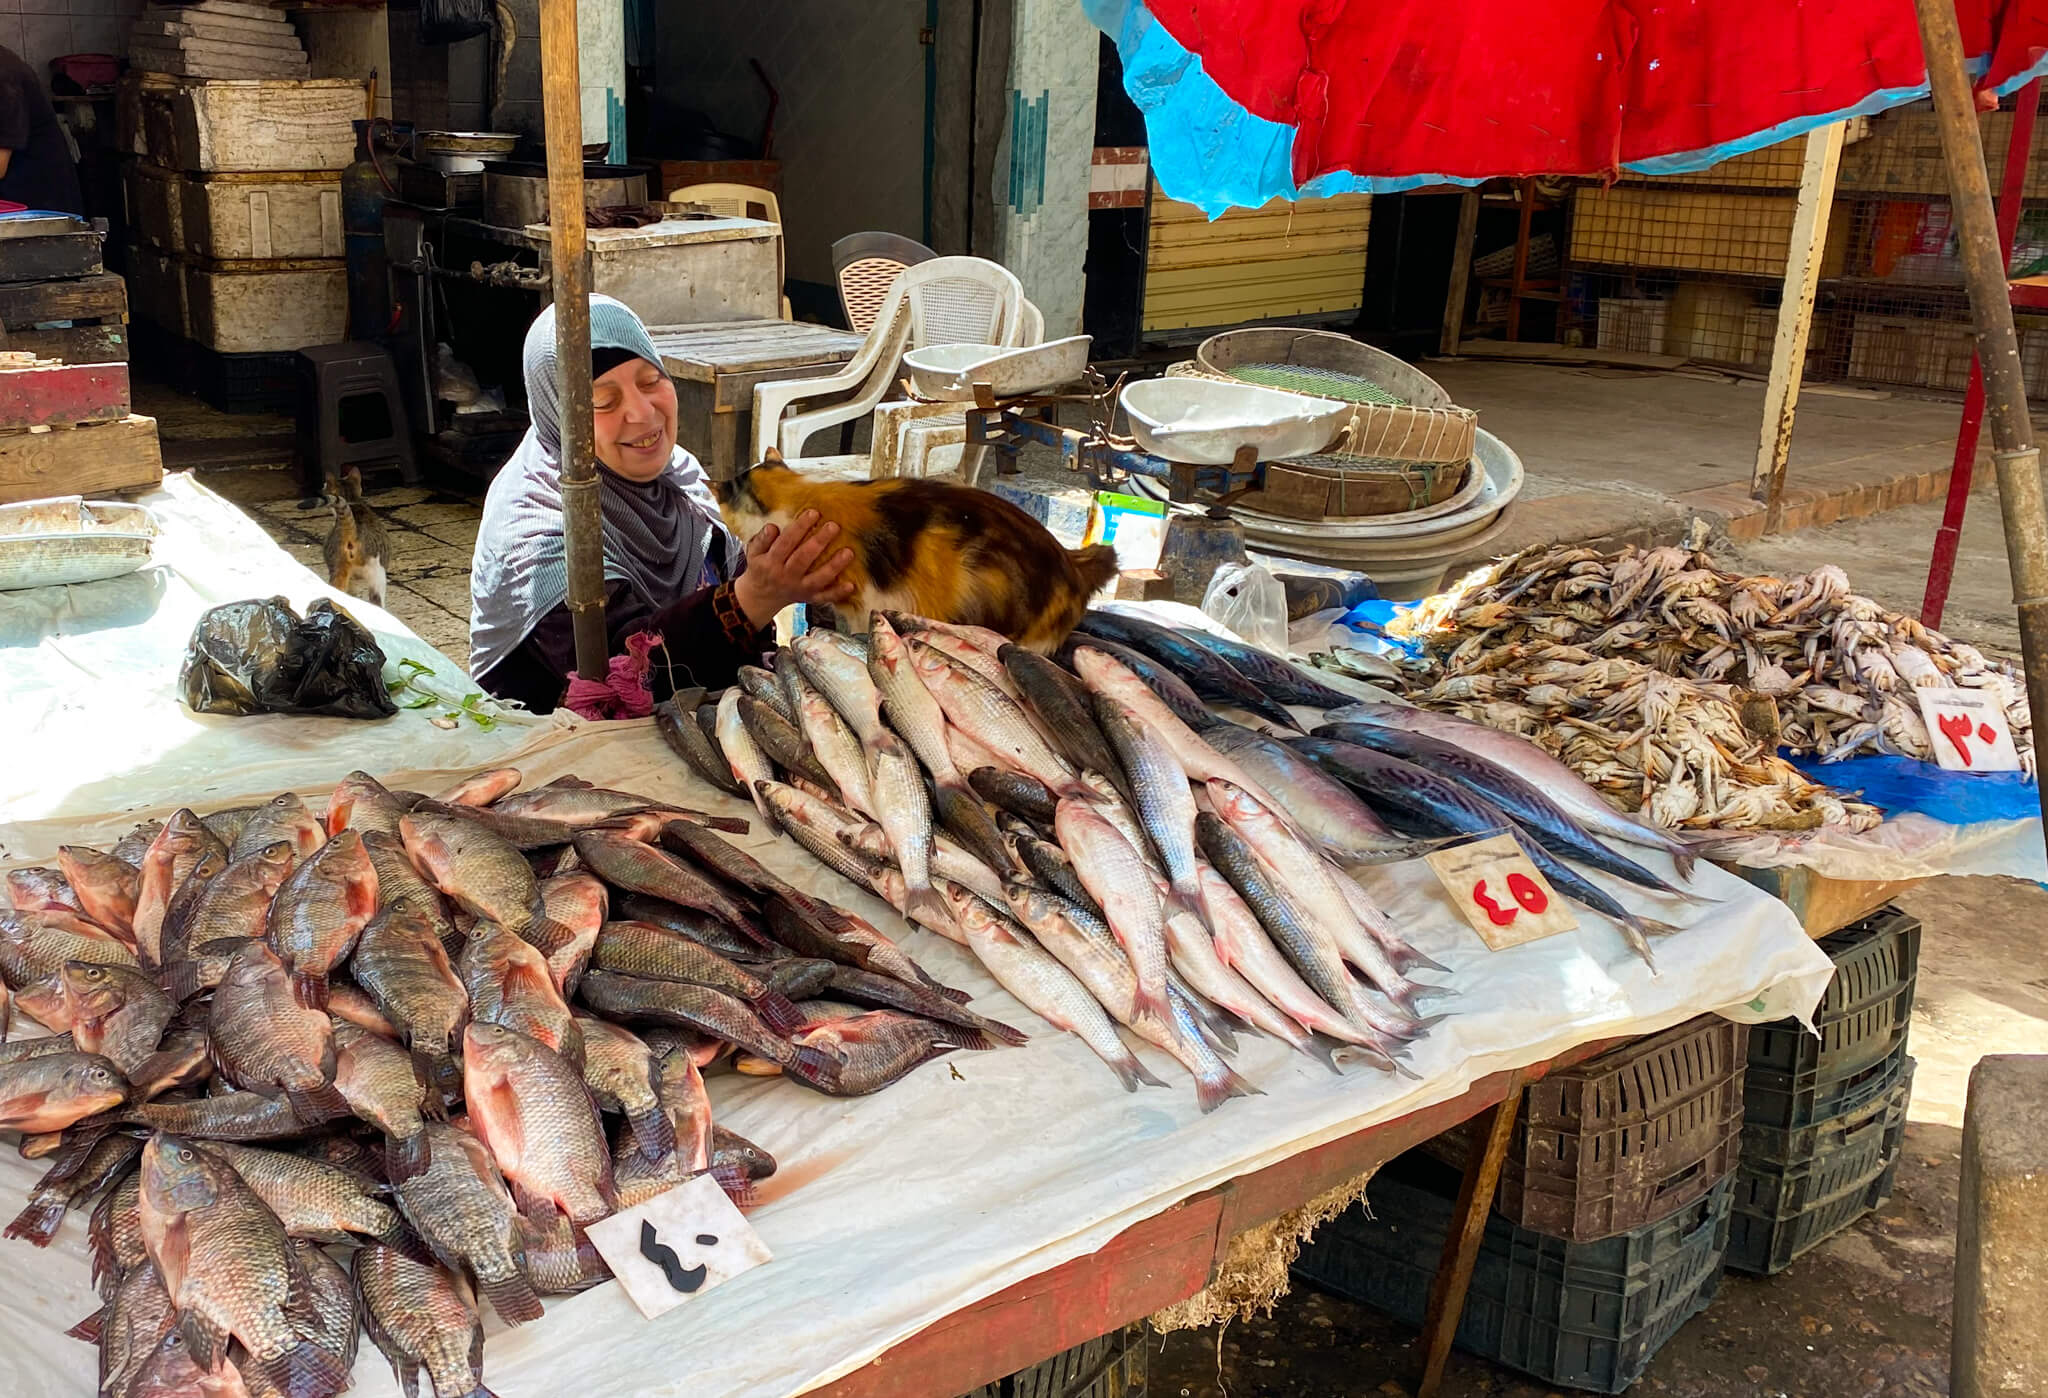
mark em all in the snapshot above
pixel 837 749
pixel 897 788
pixel 842 679
pixel 1117 880
pixel 1046 987
pixel 992 718
pixel 1159 785
pixel 1317 804
pixel 749 764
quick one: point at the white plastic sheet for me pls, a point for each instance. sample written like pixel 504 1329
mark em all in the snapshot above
pixel 981 1170
pixel 89 682
pixel 1908 846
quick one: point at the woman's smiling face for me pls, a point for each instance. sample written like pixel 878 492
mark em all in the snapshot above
pixel 635 409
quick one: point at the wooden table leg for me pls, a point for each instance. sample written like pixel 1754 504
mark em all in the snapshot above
pixel 1461 1246
pixel 725 445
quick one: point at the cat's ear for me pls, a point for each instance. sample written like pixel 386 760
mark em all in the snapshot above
pixel 774 455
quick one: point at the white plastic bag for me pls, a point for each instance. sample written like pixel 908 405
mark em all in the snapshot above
pixel 1250 601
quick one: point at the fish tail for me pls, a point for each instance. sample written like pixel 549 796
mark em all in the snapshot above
pixel 1322 1051
pixel 435 1071
pixel 927 901
pixel 777 1012
pixel 1686 861
pixel 1003 1034
pixel 738 1188
pixel 1151 1003
pixel 654 1133
pixel 513 1298
pixel 1218 1085
pixel 405 1157
pixel 1636 931
pixel 813 1067
pixel 304 1371
pixel 1131 1071
pixel 316 1104
pixel 1420 991
pixel 1407 958
pixel 38 1223
pixel 88 1329
pixel 309 988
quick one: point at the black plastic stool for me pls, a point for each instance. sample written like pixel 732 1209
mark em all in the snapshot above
pixel 350 413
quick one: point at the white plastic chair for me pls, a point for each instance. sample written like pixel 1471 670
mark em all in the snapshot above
pixel 737 201
pixel 946 301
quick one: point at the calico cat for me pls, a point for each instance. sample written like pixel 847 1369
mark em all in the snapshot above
pixel 358 546
pixel 932 548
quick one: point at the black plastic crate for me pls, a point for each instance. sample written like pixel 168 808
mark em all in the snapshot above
pixel 1108 1366
pixel 1865 1013
pixel 1582 1315
pixel 1791 1102
pixel 1783 1208
pixel 1624 1139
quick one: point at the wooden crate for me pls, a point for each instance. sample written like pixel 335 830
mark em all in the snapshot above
pixel 155 210
pixel 98 460
pixel 97 308
pixel 51 256
pixel 1285 259
pixel 208 126
pixel 271 307
pixel 279 214
pixel 61 395
pixel 1823 905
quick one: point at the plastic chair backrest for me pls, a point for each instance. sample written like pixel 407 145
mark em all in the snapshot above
pixel 963 301
pixel 866 265
pixel 1033 329
pixel 731 200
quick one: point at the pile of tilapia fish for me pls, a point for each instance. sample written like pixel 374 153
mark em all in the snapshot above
pixel 1115 853
pixel 409 1030
pixel 1670 684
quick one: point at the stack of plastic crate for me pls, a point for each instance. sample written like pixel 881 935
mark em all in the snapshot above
pixel 1824 1117
pixel 1608 1231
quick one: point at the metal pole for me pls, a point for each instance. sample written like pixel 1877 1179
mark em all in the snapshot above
pixel 1998 348
pixel 569 254
pixel 1948 539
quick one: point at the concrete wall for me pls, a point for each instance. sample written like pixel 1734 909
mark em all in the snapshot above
pixel 1041 173
pixel 40 30
pixel 850 128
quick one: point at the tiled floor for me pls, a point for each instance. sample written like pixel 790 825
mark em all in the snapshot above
pixel 432 534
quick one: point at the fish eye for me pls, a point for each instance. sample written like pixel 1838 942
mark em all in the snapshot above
pixel 102 1075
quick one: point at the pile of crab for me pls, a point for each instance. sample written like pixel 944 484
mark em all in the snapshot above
pixel 1670 684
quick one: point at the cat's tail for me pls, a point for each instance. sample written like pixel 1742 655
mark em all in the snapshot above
pixel 1096 565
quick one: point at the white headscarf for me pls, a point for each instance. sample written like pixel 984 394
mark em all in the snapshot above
pixel 657 536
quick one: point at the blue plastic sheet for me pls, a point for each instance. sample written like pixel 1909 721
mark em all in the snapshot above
pixel 1899 784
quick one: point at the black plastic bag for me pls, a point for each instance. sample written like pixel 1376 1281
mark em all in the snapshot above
pixel 261 657
pixel 451 21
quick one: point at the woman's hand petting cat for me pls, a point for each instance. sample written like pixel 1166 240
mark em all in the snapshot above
pixel 786 566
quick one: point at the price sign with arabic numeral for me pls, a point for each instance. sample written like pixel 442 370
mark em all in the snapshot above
pixel 1968 729
pixel 677 1245
pixel 1500 892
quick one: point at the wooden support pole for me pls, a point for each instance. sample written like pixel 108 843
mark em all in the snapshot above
pixel 2018 460
pixel 569 256
pixel 1461 272
pixel 1461 1245
pixel 1948 539
pixel 1795 316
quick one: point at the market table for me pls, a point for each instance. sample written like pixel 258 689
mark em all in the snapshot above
pixel 985 1212
pixel 717 368
pixel 1024 1174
